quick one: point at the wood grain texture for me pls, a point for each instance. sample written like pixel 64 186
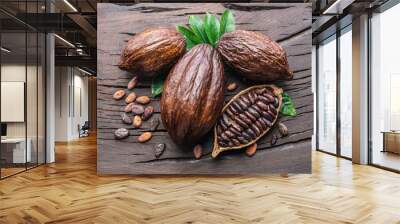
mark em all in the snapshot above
pixel 289 24
pixel 70 191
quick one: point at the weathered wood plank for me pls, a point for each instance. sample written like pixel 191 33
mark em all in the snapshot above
pixel 289 24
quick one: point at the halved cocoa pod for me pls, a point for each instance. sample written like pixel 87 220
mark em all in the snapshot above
pixel 151 51
pixel 254 56
pixel 250 123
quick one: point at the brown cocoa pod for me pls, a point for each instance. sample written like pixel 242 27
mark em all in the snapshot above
pixel 255 56
pixel 148 111
pixel 249 124
pixel 132 83
pixel 193 95
pixel 119 94
pixel 152 50
pixel 197 151
pixel 130 98
pixel 251 150
pixel 143 100
pixel 137 121
pixel 146 136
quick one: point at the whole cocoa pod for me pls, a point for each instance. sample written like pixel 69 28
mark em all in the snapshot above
pixel 193 95
pixel 255 56
pixel 247 117
pixel 152 50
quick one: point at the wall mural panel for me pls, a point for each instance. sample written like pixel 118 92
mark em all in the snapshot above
pixel 237 72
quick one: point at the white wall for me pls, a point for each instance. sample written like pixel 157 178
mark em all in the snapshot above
pixel 71 94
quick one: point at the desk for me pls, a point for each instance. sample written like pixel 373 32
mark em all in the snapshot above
pixel 16 147
pixel 391 141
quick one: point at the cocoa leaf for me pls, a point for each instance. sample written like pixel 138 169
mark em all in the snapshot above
pixel 191 38
pixel 227 22
pixel 197 26
pixel 288 108
pixel 211 26
pixel 157 85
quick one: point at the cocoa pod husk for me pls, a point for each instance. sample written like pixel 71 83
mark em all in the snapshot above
pixel 255 56
pixel 193 95
pixel 151 51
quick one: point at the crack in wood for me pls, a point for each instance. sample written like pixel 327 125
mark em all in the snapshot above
pixel 293 35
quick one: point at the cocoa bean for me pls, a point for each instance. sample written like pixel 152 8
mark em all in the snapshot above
pixel 250 116
pixel 272 109
pixel 143 100
pixel 154 123
pixel 121 133
pixel 130 98
pixel 276 102
pixel 283 129
pixel 254 112
pixel 146 136
pixel 235 141
pixel 241 123
pixel 251 150
pixel 119 94
pixel 230 134
pixel 137 121
pixel 246 101
pixel 274 139
pixel 225 119
pixel 197 151
pixel 231 86
pixel 159 149
pixel 128 108
pixel 236 106
pixel 262 105
pixel 133 82
pixel 148 111
pixel 137 109
pixel 242 104
pixel 126 119
pixel 242 140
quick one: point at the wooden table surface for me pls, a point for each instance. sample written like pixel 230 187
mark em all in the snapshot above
pixel 288 24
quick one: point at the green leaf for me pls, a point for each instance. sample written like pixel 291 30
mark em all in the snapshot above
pixel 197 26
pixel 212 28
pixel 227 22
pixel 191 38
pixel 288 108
pixel 189 44
pixel 157 85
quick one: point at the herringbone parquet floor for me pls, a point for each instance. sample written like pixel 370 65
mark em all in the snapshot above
pixel 70 191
